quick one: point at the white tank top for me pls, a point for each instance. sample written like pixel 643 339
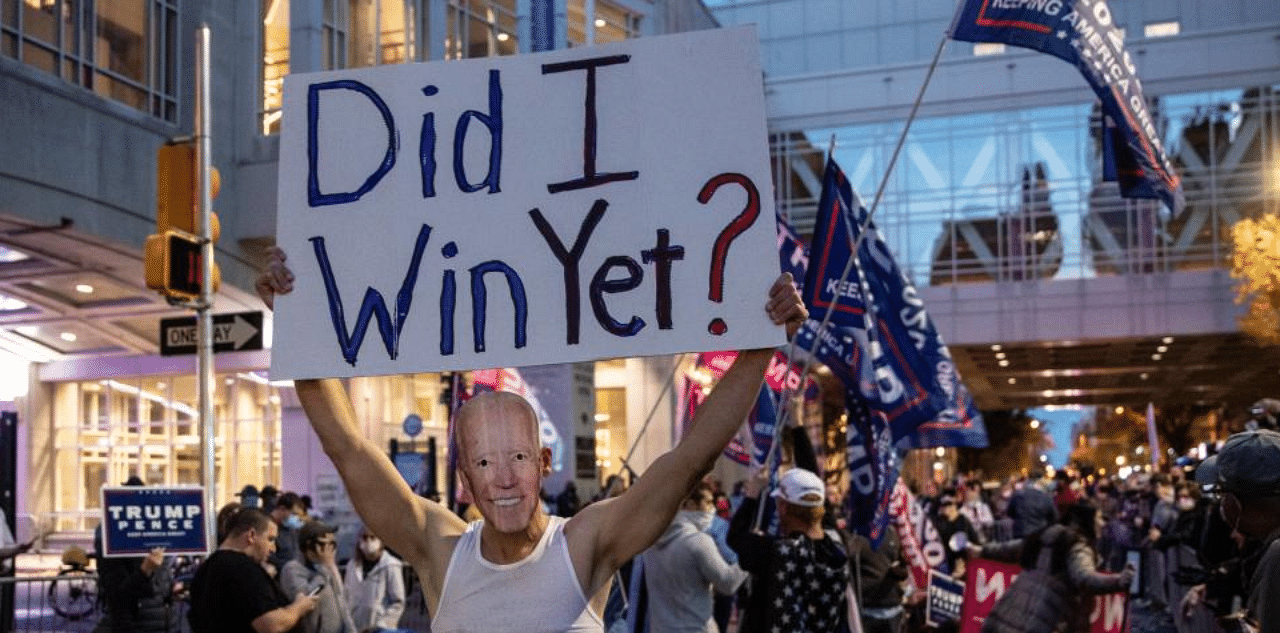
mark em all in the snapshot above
pixel 538 594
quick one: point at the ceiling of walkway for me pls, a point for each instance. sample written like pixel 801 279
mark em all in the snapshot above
pixel 1227 369
pixel 65 295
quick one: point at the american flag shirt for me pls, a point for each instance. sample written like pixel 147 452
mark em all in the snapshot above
pixel 797 583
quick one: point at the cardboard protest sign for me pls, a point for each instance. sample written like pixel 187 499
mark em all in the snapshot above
pixel 987 581
pixel 136 519
pixel 555 207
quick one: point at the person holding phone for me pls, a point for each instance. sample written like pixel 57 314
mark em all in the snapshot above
pixel 317 575
pixel 232 592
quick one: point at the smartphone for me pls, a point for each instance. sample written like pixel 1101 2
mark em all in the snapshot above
pixel 315 590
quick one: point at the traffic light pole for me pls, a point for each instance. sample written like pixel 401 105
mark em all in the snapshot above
pixel 204 314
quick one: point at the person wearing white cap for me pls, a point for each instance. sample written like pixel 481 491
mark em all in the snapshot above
pixel 799 577
pixel 1246 473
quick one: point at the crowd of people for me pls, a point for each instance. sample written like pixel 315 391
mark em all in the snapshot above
pixel 1196 548
pixel 274 569
pixel 790 560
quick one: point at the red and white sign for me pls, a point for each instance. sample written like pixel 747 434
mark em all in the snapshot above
pixel 988 581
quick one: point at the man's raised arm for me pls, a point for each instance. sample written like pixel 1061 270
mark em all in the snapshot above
pixel 633 521
pixel 412 526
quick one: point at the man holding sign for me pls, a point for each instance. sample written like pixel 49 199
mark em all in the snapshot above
pixel 555 572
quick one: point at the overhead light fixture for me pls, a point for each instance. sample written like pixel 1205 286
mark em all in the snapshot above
pixel 940 451
pixel 996 348
pixel 502 37
pixel 1048 393
pixel 84 289
pixel 999 354
pixel 9 303
pixel 1162 349
pixel 1119 410
pixel 1013 381
pixel 68 336
pixel 602 417
pixel 600 23
pixel 1156 357
pixel 1035 424
pixel 1004 363
pixel 1167 340
pixel 1143 376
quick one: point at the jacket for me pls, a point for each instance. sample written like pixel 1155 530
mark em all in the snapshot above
pixel 134 602
pixel 331 614
pixel 376 599
pixel 681 569
pixel 1058 571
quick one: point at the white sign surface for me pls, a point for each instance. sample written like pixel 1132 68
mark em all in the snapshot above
pixel 510 211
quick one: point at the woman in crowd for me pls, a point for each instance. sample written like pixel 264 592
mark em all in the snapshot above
pixel 375 586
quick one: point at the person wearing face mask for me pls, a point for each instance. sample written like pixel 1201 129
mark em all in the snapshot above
pixel 375 586
pixel 1246 475
pixel 683 568
pixel 287 515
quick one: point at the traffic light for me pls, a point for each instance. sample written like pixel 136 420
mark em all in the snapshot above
pixel 173 254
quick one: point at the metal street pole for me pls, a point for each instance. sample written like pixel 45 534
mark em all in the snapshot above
pixel 204 317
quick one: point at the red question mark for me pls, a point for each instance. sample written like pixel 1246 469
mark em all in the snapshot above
pixel 735 228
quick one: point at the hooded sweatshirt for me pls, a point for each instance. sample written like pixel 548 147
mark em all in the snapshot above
pixel 681 569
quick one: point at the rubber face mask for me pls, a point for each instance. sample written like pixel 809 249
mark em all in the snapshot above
pixel 371 547
pixel 293 522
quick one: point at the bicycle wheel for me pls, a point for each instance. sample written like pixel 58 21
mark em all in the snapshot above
pixel 73 594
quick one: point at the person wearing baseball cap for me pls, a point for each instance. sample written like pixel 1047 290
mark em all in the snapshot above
pixel 1246 473
pixel 800 575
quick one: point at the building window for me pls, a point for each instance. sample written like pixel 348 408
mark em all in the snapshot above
pixel 275 61
pixel 609 23
pixel 104 431
pixel 480 28
pixel 1161 29
pixel 125 50
pixel 384 32
pixel 982 49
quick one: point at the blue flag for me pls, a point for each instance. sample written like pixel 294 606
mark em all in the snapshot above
pixel 875 345
pixel 873 463
pixel 763 420
pixel 792 254
pixel 1083 33
pixel 958 423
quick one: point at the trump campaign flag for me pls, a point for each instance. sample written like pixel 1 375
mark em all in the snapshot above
pixel 873 463
pixel 872 344
pixel 1083 33
pixel 792 254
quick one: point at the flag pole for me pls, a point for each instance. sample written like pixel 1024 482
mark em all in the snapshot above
pixel 862 235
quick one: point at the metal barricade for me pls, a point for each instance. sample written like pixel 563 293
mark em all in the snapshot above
pixel 66 602
pixel 62 603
